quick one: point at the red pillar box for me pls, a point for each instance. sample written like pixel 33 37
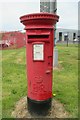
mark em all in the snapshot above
pixel 39 58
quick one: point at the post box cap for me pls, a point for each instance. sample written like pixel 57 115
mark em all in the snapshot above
pixel 39 19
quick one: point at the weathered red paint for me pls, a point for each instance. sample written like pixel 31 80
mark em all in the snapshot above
pixel 39 30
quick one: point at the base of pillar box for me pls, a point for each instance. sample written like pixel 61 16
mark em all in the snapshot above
pixel 39 107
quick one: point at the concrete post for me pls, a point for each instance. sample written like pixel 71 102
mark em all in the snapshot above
pixel 55 58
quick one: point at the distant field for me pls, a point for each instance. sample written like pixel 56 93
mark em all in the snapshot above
pixel 65 78
pixel 0 84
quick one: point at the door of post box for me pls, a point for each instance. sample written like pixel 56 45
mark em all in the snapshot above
pixel 39 64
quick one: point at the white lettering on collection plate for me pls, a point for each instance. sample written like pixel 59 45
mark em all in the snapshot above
pixel 38 52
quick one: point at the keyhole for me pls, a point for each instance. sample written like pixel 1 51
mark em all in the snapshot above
pixel 49 60
pixel 49 63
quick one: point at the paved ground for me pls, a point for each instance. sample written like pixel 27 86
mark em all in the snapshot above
pixel 57 110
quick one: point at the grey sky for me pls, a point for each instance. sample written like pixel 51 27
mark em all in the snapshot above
pixel 10 13
pixel 68 13
pixel 11 10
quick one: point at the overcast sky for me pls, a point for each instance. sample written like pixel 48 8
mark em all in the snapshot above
pixel 10 11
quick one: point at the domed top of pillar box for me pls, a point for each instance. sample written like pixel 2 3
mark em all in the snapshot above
pixel 39 20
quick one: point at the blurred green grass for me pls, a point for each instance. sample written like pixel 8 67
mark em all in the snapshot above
pixel 0 84
pixel 65 79
pixel 65 84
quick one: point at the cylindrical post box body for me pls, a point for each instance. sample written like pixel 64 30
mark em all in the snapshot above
pixel 39 59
